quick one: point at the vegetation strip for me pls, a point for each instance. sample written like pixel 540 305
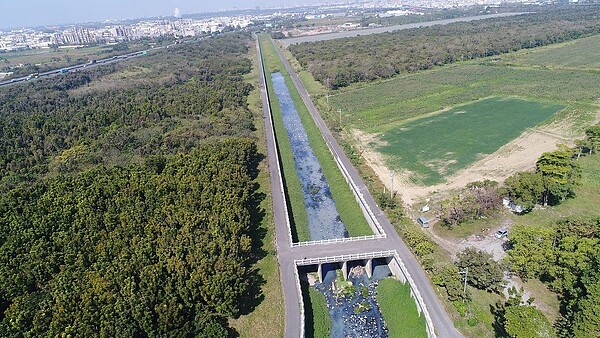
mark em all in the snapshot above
pixel 351 215
pixel 399 310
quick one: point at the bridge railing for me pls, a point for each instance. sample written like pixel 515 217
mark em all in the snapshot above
pixel 345 258
pixel 339 240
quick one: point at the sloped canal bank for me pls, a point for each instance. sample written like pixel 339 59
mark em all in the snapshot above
pixel 324 221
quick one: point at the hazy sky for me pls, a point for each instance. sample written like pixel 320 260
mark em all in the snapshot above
pixel 16 13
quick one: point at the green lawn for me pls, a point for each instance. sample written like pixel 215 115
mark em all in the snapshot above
pixel 350 212
pixel 437 146
pixel 399 310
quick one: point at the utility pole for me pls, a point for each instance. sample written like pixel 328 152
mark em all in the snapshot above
pixel 327 95
pixel 466 272
pixel 392 174
pixel 340 111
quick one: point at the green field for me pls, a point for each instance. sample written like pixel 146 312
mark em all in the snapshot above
pixel 382 106
pixel 399 310
pixel 579 54
pixel 527 88
pixel 437 146
pixel 350 212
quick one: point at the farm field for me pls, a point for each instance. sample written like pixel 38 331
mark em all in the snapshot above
pixel 382 106
pixel 559 76
pixel 563 56
pixel 437 146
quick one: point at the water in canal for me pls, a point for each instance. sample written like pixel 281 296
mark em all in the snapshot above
pixel 353 308
pixel 324 221
pixel 356 313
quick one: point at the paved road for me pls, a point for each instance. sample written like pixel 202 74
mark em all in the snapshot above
pixel 379 30
pixel 86 65
pixel 286 254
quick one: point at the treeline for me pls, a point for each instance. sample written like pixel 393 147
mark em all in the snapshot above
pixel 554 179
pixel 183 95
pixel 157 250
pixel 341 62
pixel 557 174
pixel 566 256
pixel 127 201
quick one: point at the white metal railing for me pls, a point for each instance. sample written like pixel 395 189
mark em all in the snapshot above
pixel 345 258
pixel 299 290
pixel 275 146
pixel 339 240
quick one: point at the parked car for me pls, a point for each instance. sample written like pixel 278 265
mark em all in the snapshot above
pixel 501 233
pixel 423 221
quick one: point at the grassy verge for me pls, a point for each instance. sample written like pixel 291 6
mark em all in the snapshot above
pixel 350 212
pixel 267 319
pixel 318 322
pixel 399 310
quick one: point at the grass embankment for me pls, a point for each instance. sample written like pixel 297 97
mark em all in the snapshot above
pixel 268 318
pixel 399 310
pixel 350 212
pixel 318 322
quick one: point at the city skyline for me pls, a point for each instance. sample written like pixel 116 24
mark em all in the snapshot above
pixel 31 13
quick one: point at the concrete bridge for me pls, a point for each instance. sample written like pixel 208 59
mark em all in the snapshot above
pixel 384 244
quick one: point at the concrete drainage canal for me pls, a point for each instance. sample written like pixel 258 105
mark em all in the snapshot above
pixel 351 304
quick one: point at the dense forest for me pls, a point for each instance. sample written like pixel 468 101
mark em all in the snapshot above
pixel 567 257
pixel 127 206
pixel 341 62
pixel 181 96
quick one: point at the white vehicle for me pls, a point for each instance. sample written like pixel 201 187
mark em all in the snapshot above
pixel 501 233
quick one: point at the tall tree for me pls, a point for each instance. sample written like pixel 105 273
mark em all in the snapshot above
pixel 525 188
pixel 587 319
pixel 593 136
pixel 532 250
pixel 483 271
pixel 560 174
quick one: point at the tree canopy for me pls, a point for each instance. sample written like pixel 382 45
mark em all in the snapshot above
pixel 524 321
pixel 128 206
pixel 341 62
pixel 483 272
